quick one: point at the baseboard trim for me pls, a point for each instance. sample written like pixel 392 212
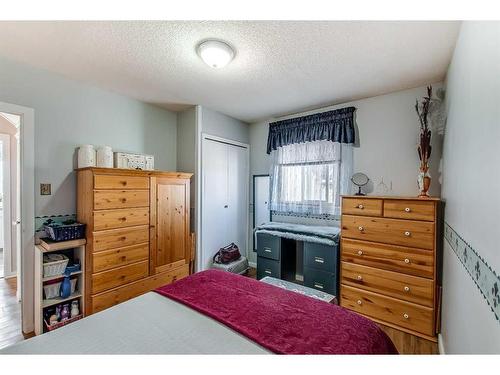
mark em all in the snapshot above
pixel 252 264
pixel 441 344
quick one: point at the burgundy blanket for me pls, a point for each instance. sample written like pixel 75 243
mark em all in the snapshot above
pixel 281 321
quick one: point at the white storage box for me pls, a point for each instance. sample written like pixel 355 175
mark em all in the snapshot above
pixel 54 264
pixel 52 290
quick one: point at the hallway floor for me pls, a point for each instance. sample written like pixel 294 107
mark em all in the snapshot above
pixel 10 313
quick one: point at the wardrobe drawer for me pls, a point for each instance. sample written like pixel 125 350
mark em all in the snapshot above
pixel 418 234
pixel 119 276
pixel 268 246
pixel 320 280
pixel 111 239
pixel 321 257
pixel 362 206
pixel 268 267
pixel 110 298
pixel 104 181
pixel 407 260
pixel 404 314
pixel 108 219
pixel 409 288
pixel 410 209
pixel 108 199
pixel 109 259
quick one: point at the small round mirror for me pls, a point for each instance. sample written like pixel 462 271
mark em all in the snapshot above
pixel 359 179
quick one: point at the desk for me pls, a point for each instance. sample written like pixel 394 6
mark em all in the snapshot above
pixel 314 265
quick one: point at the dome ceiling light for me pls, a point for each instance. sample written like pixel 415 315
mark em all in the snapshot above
pixel 215 53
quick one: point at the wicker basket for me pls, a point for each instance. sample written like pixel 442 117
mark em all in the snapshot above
pixel 65 232
pixel 52 290
pixel 53 265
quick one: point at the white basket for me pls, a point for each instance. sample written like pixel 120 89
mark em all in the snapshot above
pixel 56 267
pixel 52 290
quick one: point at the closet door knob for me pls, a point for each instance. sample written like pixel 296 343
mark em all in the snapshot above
pixel 407 288
pixel 407 234
pixel 225 206
pixel 360 278
pixel 360 206
pixel 407 209
pixel 360 252
pixel 407 261
pixel 361 228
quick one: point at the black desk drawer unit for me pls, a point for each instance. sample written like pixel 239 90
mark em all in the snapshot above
pixel 268 246
pixel 321 257
pixel 320 280
pixel 268 267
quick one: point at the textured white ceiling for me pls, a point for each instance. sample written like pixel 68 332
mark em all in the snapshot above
pixel 280 66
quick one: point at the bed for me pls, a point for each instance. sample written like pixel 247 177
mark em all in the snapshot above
pixel 215 312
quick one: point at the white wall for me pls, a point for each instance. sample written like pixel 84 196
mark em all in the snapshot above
pixel 221 125
pixel 471 185
pixel 387 134
pixel 68 114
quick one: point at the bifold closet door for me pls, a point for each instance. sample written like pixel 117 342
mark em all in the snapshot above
pixel 224 198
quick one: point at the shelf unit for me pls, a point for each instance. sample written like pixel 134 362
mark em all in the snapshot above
pixel 46 246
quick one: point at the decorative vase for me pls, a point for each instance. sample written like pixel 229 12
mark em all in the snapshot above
pixel 65 290
pixel 86 156
pixel 105 157
pixel 424 182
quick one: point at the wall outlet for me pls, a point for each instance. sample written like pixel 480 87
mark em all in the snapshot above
pixel 45 189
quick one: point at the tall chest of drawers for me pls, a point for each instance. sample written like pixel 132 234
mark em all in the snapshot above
pixel 137 232
pixel 389 261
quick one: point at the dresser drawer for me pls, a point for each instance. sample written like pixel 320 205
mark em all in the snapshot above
pixel 109 259
pixel 410 209
pixel 407 260
pixel 103 181
pixel 404 314
pixel 409 288
pixel 321 257
pixel 268 246
pixel 119 276
pixel 111 239
pixel 362 206
pixel 268 267
pixel 108 199
pixel 110 298
pixel 109 219
pixel 320 280
pixel 418 234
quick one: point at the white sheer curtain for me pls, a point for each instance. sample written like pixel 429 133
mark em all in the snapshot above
pixel 308 178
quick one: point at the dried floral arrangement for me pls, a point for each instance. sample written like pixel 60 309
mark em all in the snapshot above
pixel 424 147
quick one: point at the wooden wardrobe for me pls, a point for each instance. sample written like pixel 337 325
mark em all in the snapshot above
pixel 138 232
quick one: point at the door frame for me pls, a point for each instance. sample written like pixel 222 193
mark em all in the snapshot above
pixel 25 262
pixel 7 207
pixel 199 226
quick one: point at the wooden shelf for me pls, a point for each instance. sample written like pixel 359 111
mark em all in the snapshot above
pixel 58 300
pixel 48 245
pixel 60 276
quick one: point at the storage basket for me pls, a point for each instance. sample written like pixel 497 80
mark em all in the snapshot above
pixel 65 231
pixel 54 264
pixel 52 290
pixel 61 323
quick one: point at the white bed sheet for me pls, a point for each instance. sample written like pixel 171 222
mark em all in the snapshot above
pixel 148 324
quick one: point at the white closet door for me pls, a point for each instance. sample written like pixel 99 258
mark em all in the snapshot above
pixel 237 197
pixel 214 198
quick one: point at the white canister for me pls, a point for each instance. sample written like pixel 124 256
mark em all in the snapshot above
pixel 86 156
pixel 105 157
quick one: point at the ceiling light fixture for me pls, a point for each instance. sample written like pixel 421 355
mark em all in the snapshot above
pixel 215 53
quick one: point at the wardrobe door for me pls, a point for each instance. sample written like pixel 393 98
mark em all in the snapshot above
pixel 237 210
pixel 169 224
pixel 214 200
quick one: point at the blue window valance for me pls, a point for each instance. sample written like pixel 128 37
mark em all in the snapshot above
pixel 335 126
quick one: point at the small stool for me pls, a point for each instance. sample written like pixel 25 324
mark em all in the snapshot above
pixel 297 288
pixel 239 266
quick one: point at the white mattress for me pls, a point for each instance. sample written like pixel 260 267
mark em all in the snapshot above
pixel 149 324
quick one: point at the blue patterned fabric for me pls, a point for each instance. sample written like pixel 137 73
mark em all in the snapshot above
pixel 335 126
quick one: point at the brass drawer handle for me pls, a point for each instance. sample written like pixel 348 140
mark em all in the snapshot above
pixel 407 209
pixel 360 252
pixel 407 289
pixel 360 206
pixel 406 316
pixel 268 272
pixel 359 302
pixel 318 285
pixel 319 260
pixel 361 228
pixel 268 250
pixel 124 183
pixel 407 261
pixel 407 233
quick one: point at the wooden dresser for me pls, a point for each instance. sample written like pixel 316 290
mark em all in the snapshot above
pixel 389 261
pixel 137 232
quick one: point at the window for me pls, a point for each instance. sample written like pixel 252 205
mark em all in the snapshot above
pixel 308 178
